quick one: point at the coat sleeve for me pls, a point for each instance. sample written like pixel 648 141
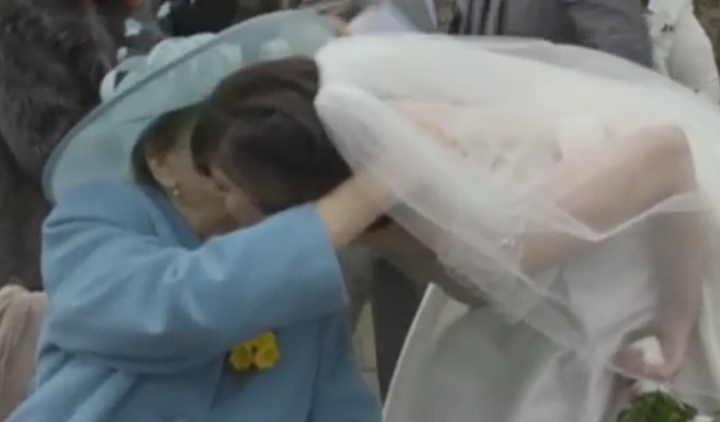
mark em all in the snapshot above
pixel 119 295
pixel 341 394
pixel 692 60
pixel 616 27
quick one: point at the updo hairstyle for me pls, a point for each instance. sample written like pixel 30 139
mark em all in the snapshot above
pixel 261 128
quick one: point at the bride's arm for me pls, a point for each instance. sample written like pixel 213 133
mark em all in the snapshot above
pixel 622 181
pixel 657 165
pixel 622 178
pixel 681 244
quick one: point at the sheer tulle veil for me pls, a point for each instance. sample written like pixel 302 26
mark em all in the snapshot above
pixel 509 108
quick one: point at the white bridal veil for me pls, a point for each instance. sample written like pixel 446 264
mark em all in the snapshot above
pixel 469 133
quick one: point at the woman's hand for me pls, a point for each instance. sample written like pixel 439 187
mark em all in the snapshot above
pixel 681 246
pixel 674 353
pixel 656 358
pixel 352 207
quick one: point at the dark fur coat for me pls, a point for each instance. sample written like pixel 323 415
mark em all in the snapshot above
pixel 53 56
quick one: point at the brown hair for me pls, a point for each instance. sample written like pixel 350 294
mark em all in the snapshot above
pixel 260 126
pixel 160 138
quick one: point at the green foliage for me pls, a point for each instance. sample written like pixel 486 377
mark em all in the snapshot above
pixel 657 407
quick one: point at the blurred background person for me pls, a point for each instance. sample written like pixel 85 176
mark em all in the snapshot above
pixel 54 54
pixel 682 49
pixel 614 26
pixel 190 17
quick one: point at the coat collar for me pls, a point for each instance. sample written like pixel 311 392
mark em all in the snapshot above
pixel 179 228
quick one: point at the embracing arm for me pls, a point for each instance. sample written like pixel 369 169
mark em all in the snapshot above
pixel 599 188
pixel 654 165
pixel 620 183
pixel 614 26
pixel 119 295
pixel 681 245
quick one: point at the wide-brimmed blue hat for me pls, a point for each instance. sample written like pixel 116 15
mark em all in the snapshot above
pixel 176 73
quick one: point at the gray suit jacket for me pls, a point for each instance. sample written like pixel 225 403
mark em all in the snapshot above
pixel 416 13
pixel 413 10
pixel 614 26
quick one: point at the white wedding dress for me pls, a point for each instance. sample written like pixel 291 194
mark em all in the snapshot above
pixel 466 365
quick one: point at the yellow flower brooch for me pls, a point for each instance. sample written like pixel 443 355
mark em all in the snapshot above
pixel 261 353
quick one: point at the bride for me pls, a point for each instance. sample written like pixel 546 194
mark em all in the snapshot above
pixel 571 292
pixel 557 332
pixel 516 168
pixel 568 209
pixel 583 280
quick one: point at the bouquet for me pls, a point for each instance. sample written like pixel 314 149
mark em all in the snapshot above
pixel 655 403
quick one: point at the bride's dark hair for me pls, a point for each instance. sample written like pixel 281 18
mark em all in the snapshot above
pixel 260 127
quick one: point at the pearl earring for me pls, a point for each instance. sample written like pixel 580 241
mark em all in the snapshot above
pixel 175 190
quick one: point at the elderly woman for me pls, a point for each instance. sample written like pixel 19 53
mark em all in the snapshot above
pixel 168 300
pixel 173 297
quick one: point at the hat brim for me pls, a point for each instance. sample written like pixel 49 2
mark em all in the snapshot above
pixel 100 145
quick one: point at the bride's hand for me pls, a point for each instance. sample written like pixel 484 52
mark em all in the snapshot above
pixel 659 359
pixel 674 344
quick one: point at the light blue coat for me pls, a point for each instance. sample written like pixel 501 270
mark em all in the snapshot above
pixel 141 317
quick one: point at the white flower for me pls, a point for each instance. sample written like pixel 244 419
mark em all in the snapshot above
pixel 163 11
pixel 122 54
pixel 132 27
